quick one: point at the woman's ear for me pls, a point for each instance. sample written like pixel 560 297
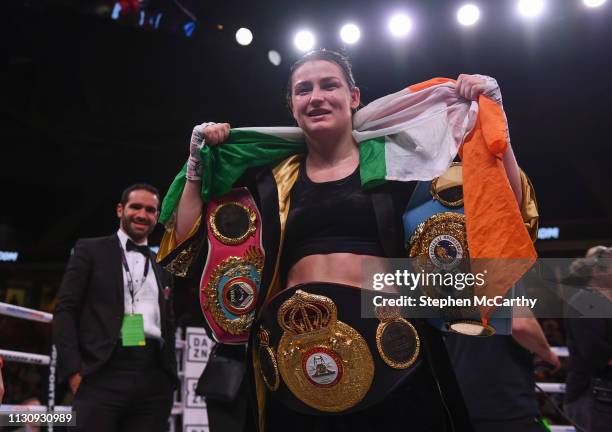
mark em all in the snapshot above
pixel 355 98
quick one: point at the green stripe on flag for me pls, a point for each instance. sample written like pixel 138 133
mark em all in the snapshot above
pixel 373 168
pixel 224 164
pixel 173 195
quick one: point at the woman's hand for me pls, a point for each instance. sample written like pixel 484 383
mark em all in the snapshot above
pixel 213 133
pixel 471 86
pixel 204 134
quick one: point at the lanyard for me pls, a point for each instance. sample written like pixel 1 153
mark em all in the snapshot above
pixel 128 273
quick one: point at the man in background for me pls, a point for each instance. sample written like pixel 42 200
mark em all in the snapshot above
pixel 114 325
pixel 496 375
pixel 588 397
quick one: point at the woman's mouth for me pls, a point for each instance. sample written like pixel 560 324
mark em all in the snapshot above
pixel 318 113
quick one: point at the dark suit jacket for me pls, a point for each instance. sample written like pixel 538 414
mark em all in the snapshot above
pixel 90 308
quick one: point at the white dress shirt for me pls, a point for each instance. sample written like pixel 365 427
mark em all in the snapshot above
pixel 146 292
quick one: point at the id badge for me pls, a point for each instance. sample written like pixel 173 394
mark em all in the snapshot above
pixel 132 330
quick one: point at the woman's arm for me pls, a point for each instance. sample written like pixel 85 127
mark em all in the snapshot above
pixel 191 204
pixel 189 209
pixel 471 87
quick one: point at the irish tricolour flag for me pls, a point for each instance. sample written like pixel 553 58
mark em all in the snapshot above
pixel 405 136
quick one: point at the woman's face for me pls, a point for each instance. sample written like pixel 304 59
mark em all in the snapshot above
pixel 321 100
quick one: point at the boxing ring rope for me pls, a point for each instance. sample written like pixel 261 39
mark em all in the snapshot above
pixel 25 313
pixel 9 409
pixel 22 357
pixel 560 351
pixel 44 360
pixel 177 409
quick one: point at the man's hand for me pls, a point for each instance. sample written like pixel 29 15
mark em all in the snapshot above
pixel 75 382
pixel 553 360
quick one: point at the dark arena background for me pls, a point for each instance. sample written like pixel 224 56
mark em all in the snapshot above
pixel 97 94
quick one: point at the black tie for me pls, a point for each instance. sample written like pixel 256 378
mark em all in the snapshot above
pixel 131 246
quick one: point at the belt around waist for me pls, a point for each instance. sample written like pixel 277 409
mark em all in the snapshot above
pixel 318 356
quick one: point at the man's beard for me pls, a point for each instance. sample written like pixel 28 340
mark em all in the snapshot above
pixel 136 236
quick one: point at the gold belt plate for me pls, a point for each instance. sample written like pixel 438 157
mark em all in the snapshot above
pixel 324 362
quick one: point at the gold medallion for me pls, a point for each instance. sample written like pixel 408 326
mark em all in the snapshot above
pixel 232 290
pixel 397 340
pixel 471 328
pixel 439 246
pixel 441 240
pixel 232 222
pixel 324 362
pixel 448 188
pixel 267 359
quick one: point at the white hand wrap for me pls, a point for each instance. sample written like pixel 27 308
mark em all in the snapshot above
pixel 194 163
pixel 492 89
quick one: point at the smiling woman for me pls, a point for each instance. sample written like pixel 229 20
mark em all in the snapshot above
pixel 292 287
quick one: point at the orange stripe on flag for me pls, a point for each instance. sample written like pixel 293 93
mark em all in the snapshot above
pixel 429 83
pixel 495 228
pixel 497 237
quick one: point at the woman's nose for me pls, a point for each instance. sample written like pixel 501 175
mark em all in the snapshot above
pixel 316 95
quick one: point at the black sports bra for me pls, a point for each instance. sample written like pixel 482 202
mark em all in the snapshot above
pixel 329 217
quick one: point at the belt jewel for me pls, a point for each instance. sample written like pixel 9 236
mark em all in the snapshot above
pixel 324 362
pixel 397 340
pixel 232 275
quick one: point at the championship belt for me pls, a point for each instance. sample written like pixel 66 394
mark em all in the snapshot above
pixel 317 355
pixel 231 279
pixel 436 240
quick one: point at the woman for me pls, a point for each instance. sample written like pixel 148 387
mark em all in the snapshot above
pixel 305 376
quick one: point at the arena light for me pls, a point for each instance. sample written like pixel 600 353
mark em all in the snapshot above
pixel 244 36
pixel 188 28
pixel 548 233
pixel 400 25
pixel 274 57
pixel 593 3
pixel 304 40
pixel 8 256
pixel 530 8
pixel 468 15
pixel 116 11
pixel 350 33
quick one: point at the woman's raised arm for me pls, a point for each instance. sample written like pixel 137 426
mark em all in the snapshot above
pixel 190 204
